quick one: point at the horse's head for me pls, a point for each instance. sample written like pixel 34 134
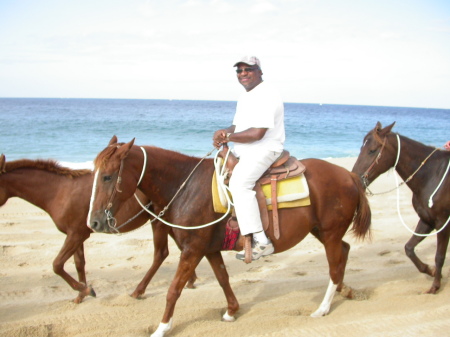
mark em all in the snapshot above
pixel 375 157
pixel 114 183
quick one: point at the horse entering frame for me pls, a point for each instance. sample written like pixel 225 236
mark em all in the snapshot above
pixel 337 199
pixel 64 194
pixel 425 170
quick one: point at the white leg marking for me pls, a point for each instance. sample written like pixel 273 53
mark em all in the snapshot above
pixel 326 303
pixel 94 185
pixel 228 318
pixel 162 329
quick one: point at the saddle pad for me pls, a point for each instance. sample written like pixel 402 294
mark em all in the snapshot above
pixel 292 192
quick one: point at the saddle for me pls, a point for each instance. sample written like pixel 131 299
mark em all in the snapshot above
pixel 283 168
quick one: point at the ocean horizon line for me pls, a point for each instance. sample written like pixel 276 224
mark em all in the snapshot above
pixel 90 163
pixel 228 101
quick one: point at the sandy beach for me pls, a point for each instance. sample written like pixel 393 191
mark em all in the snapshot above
pixel 277 294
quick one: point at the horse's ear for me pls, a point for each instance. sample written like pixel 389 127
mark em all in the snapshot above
pixel 2 163
pixel 113 140
pixel 387 129
pixel 377 127
pixel 125 148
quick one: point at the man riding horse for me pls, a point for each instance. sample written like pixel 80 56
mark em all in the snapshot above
pixel 258 133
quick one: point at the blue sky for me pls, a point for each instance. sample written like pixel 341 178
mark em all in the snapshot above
pixel 391 53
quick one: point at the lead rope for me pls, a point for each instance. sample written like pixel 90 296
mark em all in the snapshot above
pixel 430 200
pixel 221 185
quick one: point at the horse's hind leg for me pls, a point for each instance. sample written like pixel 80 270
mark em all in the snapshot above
pixel 342 288
pixel 345 250
pixel 422 228
pixel 80 264
pixel 441 250
pixel 73 245
pixel 218 266
pixel 337 254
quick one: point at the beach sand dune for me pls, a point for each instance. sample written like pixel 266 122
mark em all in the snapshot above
pixel 276 294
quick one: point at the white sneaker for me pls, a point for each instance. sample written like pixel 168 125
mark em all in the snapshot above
pixel 258 250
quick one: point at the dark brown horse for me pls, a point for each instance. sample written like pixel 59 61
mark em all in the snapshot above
pixel 425 171
pixel 337 199
pixel 64 194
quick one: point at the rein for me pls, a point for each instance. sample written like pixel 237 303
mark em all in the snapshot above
pixel 430 200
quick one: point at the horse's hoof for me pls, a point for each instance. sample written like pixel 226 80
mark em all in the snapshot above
pixel 228 318
pixel 190 286
pixel 319 313
pixel 347 292
pixel 78 300
pixel 92 292
pixel 432 290
pixel 138 296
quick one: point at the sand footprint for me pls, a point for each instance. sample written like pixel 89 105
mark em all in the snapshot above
pixel 384 252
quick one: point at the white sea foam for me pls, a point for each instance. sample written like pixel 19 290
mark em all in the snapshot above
pixel 78 166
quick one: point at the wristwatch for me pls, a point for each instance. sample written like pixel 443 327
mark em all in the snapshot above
pixel 228 137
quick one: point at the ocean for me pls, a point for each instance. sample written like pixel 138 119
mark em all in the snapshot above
pixel 74 131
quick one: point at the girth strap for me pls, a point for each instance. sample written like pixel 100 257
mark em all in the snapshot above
pixel 261 198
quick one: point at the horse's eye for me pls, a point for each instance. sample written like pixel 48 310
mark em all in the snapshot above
pixel 372 151
pixel 107 179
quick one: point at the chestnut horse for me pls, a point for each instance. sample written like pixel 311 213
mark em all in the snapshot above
pixel 425 171
pixel 337 199
pixel 64 194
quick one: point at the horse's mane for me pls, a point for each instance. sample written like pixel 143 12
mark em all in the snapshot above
pixel 45 165
pixel 413 142
pixel 104 156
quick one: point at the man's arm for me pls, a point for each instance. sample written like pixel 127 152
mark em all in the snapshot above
pixel 248 136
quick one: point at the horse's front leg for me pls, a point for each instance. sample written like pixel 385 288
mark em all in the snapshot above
pixel 186 267
pixel 160 253
pixel 218 266
pixel 441 250
pixel 422 228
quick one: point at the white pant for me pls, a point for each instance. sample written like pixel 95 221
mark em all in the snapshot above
pixel 249 169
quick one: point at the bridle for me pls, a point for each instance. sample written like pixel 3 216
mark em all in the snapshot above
pixel 365 176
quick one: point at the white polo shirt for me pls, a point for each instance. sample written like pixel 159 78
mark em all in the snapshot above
pixel 261 107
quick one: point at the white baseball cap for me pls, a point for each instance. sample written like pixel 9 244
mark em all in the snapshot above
pixel 250 60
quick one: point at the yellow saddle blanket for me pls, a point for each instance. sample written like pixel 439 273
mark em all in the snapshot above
pixel 292 192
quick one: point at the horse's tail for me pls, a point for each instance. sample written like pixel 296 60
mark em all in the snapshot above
pixel 363 215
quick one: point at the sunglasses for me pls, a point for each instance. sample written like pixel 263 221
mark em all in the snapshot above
pixel 247 70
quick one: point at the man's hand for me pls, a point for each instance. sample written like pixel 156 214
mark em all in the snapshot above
pixel 220 137
pixel 447 145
